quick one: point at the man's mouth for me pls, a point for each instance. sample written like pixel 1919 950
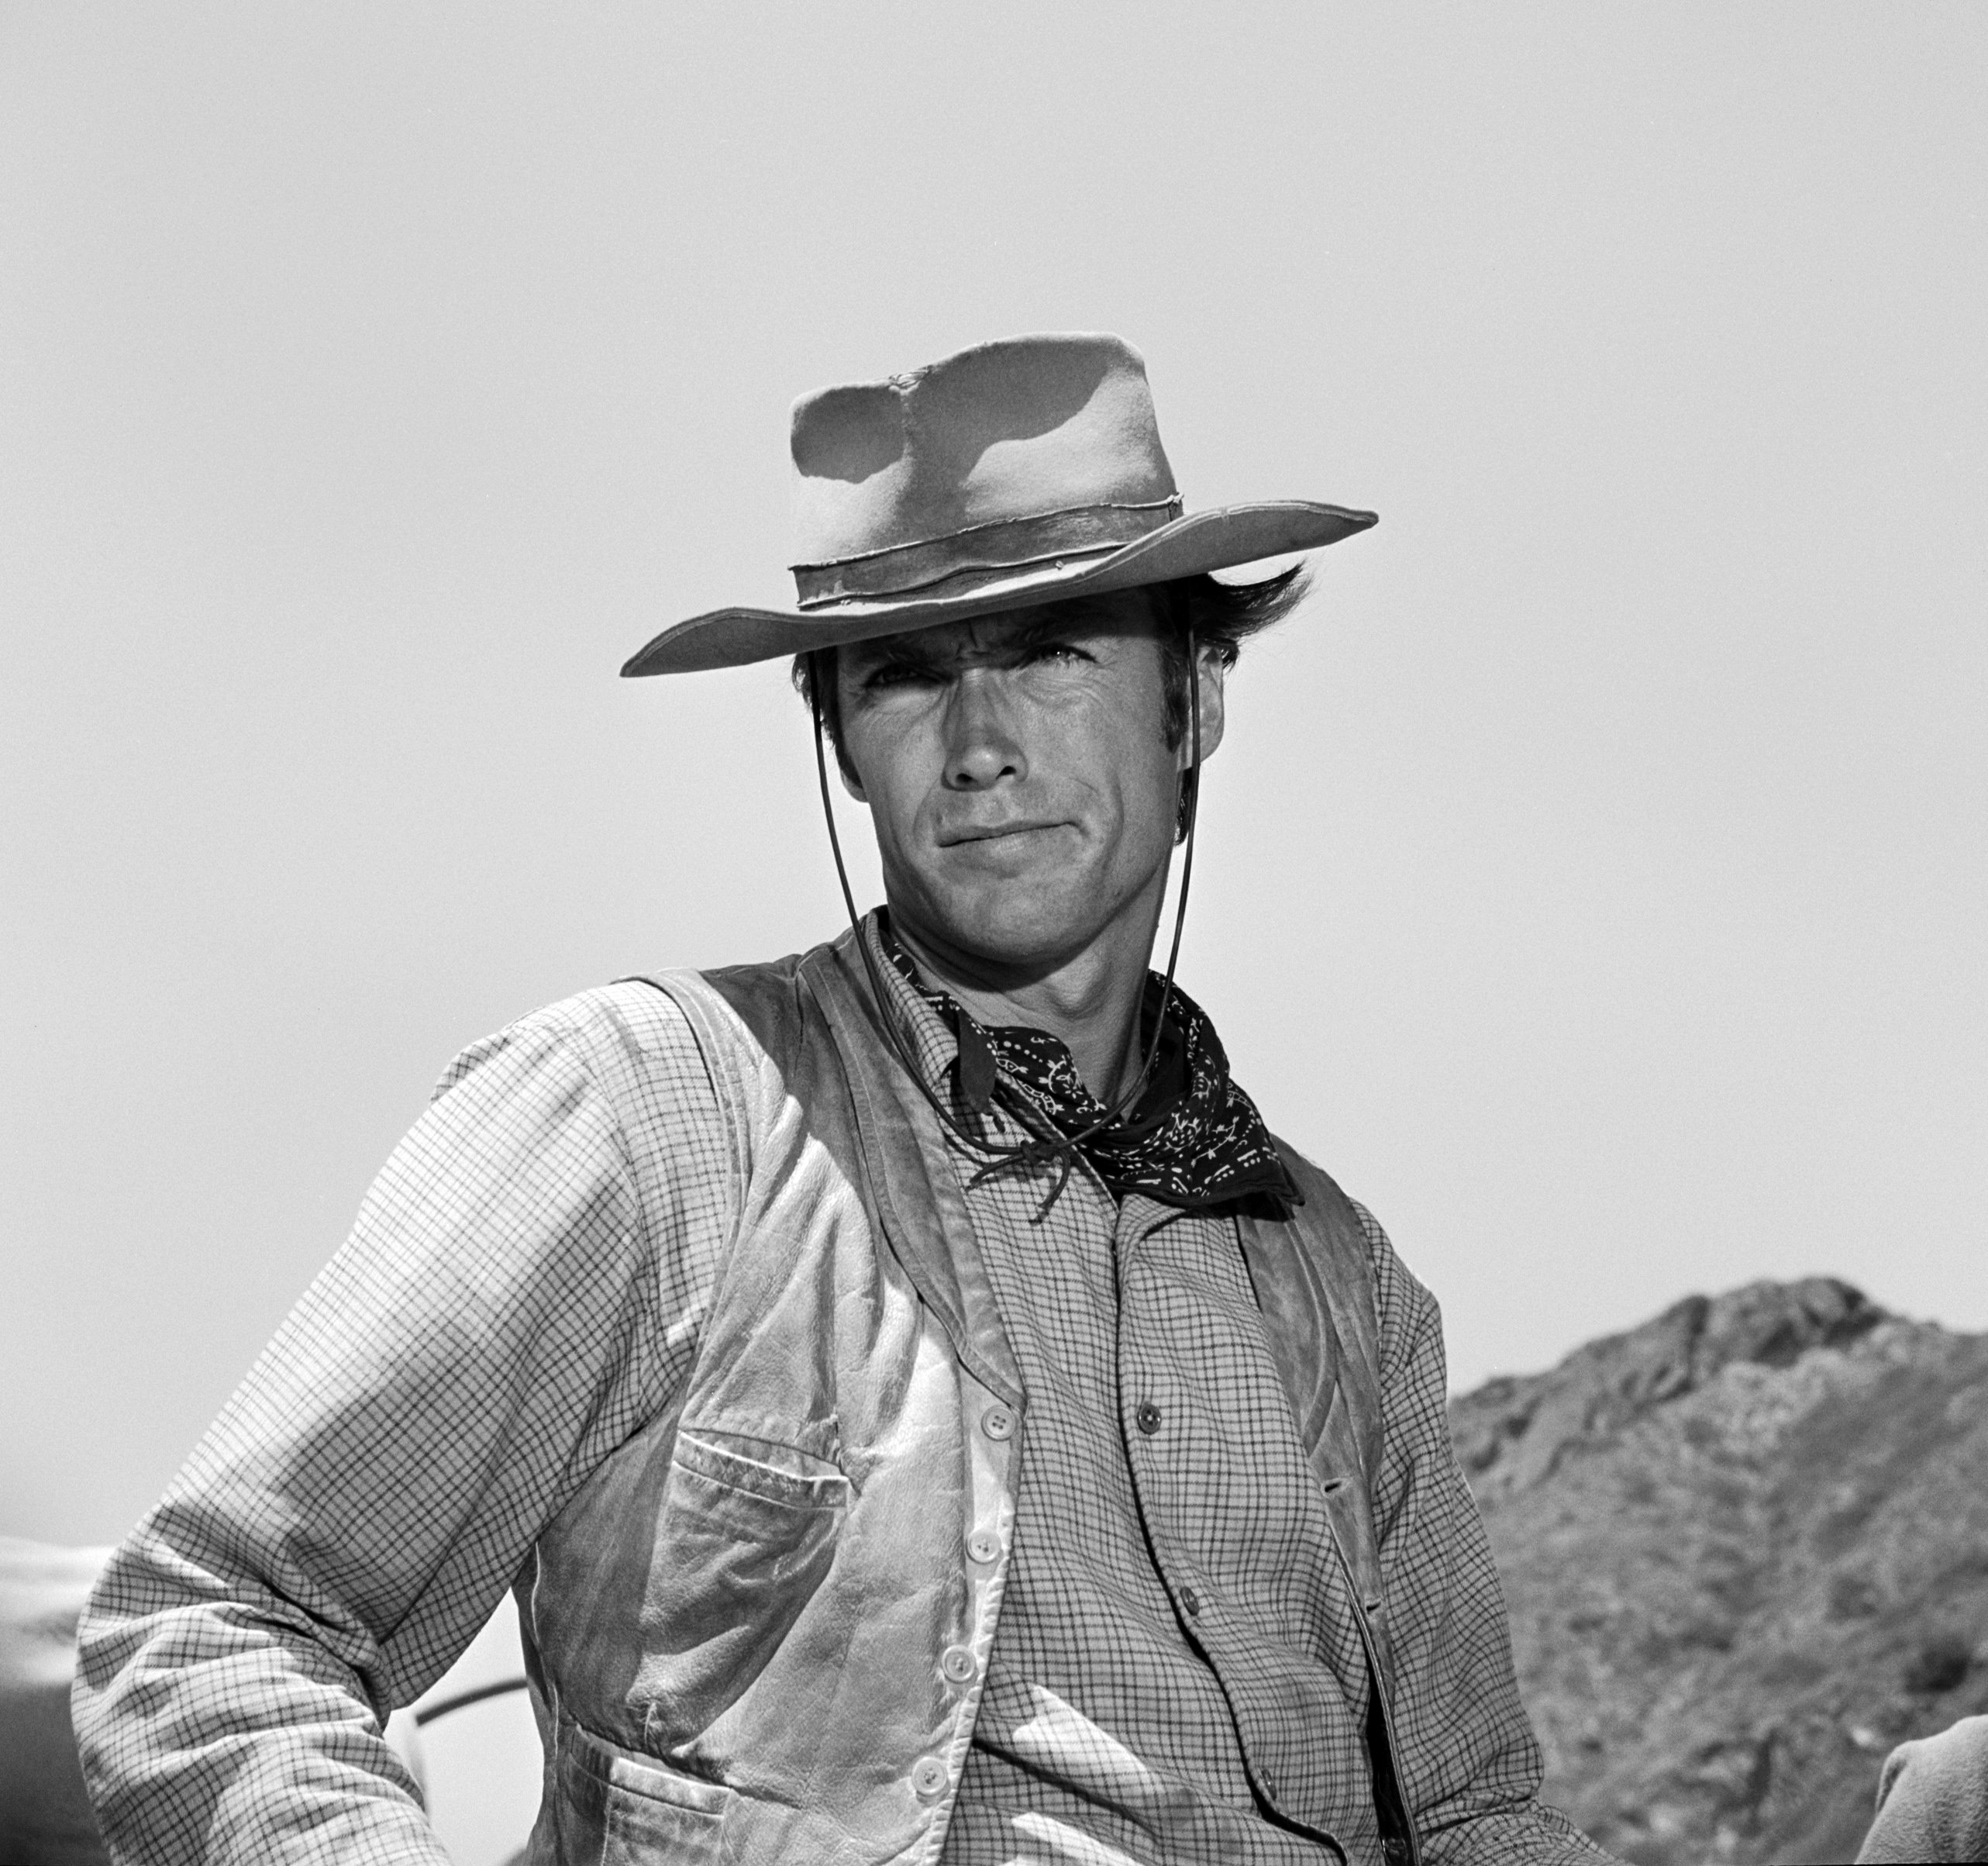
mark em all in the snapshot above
pixel 994 832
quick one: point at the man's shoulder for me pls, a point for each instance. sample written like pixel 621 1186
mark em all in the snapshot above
pixel 650 1012
pixel 636 1035
pixel 1322 1197
pixel 630 1018
pixel 1398 1293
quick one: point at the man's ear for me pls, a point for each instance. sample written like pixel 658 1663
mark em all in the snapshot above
pixel 1213 714
pixel 827 665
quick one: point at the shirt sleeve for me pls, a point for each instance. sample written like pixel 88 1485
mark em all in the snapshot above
pixel 522 1290
pixel 1470 1765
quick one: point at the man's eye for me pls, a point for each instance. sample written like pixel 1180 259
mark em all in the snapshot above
pixel 1056 651
pixel 894 673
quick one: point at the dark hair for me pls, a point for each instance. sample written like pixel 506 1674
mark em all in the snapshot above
pixel 1222 615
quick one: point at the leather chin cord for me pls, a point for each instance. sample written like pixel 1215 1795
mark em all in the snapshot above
pixel 1050 1143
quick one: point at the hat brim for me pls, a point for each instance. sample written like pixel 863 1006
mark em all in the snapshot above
pixel 1200 541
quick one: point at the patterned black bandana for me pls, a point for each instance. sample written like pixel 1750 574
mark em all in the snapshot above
pixel 1193 1140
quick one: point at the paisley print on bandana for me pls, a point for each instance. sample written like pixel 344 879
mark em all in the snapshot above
pixel 1193 1140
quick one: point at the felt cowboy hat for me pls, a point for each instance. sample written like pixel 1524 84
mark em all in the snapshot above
pixel 1021 472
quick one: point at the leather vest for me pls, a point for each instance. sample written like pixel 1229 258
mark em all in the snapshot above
pixel 758 1631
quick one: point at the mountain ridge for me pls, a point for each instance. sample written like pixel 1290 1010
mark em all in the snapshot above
pixel 1745 1545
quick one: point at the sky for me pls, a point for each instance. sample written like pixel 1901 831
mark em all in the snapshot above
pixel 1592 879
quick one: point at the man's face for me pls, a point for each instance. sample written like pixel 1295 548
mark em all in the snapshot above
pixel 1018 774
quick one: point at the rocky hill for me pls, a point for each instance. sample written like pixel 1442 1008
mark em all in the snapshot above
pixel 1745 1547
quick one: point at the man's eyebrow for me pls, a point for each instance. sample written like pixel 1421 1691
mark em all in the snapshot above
pixel 1064 620
pixel 1059 621
pixel 916 645
pixel 880 651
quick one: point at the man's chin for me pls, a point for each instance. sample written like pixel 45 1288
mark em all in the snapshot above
pixel 991 934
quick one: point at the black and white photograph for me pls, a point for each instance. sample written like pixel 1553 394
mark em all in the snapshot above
pixel 1023 936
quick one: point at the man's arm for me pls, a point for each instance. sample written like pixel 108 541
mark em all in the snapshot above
pixel 508 1310
pixel 1468 1762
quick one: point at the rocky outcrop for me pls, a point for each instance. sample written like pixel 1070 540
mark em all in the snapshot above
pixel 1512 1434
pixel 1745 1548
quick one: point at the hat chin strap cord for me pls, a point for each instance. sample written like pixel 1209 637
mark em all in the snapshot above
pixel 1049 1143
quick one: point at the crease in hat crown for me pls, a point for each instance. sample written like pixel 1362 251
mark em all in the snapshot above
pixel 1019 472
pixel 1027 450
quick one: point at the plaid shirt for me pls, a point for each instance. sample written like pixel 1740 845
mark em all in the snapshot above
pixel 1158 1417
pixel 1155 1412
pixel 499 1322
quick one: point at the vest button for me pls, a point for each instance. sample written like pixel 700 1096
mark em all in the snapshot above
pixel 958 1664
pixel 1190 1602
pixel 998 1421
pixel 983 1547
pixel 928 1778
pixel 1148 1416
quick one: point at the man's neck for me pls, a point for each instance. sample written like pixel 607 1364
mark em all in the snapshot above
pixel 1090 1000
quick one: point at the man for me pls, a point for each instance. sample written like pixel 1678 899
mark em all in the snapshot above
pixel 921 1411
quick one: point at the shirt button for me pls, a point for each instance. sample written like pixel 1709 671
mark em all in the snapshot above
pixel 928 1778
pixel 998 1421
pixel 957 1664
pixel 1148 1416
pixel 983 1547
pixel 1190 1601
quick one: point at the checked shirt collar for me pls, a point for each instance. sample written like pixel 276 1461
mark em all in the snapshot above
pixel 1195 1141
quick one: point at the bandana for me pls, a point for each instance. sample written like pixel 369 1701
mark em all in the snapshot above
pixel 1193 1140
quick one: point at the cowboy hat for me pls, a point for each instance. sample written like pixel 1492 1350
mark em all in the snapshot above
pixel 1021 472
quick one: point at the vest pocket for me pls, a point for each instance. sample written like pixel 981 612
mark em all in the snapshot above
pixel 618 1808
pixel 747 1535
pixel 760 1467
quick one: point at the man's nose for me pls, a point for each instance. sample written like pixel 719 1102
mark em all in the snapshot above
pixel 981 747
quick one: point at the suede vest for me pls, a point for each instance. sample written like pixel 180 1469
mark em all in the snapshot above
pixel 758 1632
